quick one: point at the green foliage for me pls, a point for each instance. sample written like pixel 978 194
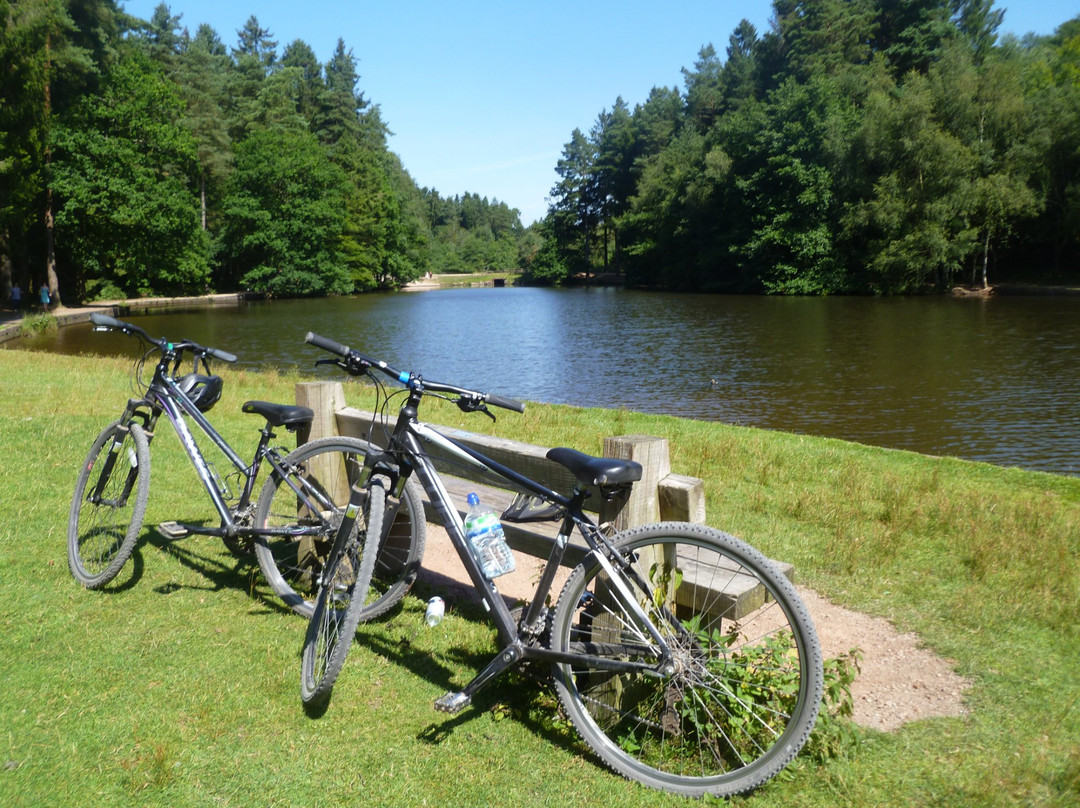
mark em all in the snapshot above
pixel 283 214
pixel 545 267
pixel 472 234
pixel 125 213
pixel 835 734
pixel 172 163
pixel 858 146
pixel 37 324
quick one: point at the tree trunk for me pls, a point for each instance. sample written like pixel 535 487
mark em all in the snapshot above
pixel 51 281
pixel 986 260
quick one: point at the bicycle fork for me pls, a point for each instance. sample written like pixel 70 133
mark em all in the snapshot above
pixel 357 498
pixel 107 467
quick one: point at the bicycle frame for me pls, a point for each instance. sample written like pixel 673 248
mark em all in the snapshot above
pixel 406 443
pixel 165 395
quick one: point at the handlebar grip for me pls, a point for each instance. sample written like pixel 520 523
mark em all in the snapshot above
pixel 326 344
pixel 505 403
pixel 104 320
pixel 224 356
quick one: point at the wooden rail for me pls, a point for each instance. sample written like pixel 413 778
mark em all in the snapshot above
pixel 660 495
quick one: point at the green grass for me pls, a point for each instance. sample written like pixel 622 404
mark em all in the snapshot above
pixel 179 685
pixel 39 323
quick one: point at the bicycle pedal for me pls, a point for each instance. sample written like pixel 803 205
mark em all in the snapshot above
pixel 172 530
pixel 452 703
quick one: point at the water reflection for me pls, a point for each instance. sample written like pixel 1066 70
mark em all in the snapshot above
pixel 993 380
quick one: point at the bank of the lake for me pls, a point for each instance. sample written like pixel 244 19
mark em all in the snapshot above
pixel 11 320
pixel 177 686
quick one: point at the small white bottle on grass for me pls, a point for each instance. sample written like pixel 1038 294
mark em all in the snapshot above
pixel 435 611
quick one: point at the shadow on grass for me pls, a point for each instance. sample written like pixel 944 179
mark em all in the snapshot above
pixel 202 554
pixel 527 698
pixel 523 693
pixel 130 574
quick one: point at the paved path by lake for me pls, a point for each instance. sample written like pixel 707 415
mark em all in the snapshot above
pixel 11 319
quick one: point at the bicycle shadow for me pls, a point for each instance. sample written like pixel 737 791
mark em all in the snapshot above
pixel 130 574
pixel 523 694
pixel 206 556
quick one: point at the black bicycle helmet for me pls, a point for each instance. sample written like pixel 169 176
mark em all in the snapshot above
pixel 204 391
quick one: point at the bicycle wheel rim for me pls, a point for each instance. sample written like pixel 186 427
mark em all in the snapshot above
pixel 291 565
pixel 746 682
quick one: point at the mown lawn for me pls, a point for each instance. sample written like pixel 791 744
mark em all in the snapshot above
pixel 179 684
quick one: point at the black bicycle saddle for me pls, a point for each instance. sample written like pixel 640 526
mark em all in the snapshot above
pixel 602 471
pixel 288 415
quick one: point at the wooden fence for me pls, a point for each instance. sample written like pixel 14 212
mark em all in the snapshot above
pixel 660 495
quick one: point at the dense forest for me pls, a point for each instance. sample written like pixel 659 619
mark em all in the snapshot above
pixel 857 146
pixel 137 158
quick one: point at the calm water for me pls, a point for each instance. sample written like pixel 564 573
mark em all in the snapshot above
pixel 995 380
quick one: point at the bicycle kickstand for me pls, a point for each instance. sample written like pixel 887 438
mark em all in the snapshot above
pixel 456 702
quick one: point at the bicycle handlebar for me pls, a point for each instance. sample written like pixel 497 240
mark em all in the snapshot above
pixel 357 365
pixel 105 321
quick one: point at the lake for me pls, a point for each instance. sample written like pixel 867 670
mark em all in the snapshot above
pixel 993 379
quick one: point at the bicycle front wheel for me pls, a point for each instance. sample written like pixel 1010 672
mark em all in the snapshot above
pixel 742 692
pixel 109 503
pixel 306 506
pixel 342 591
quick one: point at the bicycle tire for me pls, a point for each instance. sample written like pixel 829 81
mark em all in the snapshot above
pixel 747 679
pixel 339 603
pixel 290 565
pixel 107 512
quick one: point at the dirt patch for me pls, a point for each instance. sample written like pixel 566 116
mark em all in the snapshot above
pixel 899 680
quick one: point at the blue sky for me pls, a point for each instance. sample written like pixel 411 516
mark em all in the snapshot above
pixel 481 95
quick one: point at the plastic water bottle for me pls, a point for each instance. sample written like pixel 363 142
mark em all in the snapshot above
pixel 435 611
pixel 485 534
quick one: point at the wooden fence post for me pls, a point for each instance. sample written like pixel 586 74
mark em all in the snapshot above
pixel 642 507
pixel 325 398
pixel 682 499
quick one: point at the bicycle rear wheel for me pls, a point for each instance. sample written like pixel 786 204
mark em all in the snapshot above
pixel 746 681
pixel 323 471
pixel 108 505
pixel 342 591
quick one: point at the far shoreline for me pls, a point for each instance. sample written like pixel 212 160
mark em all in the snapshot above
pixel 10 319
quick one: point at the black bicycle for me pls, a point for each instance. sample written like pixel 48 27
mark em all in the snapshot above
pixel 682 655
pixel 312 506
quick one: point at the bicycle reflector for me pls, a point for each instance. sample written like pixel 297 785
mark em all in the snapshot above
pixel 204 391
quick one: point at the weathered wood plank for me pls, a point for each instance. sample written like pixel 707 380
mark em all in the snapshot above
pixel 524 458
pixel 682 499
pixel 325 398
pixel 660 495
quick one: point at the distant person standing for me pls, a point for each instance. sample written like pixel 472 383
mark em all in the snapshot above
pixel 16 296
pixel 45 297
